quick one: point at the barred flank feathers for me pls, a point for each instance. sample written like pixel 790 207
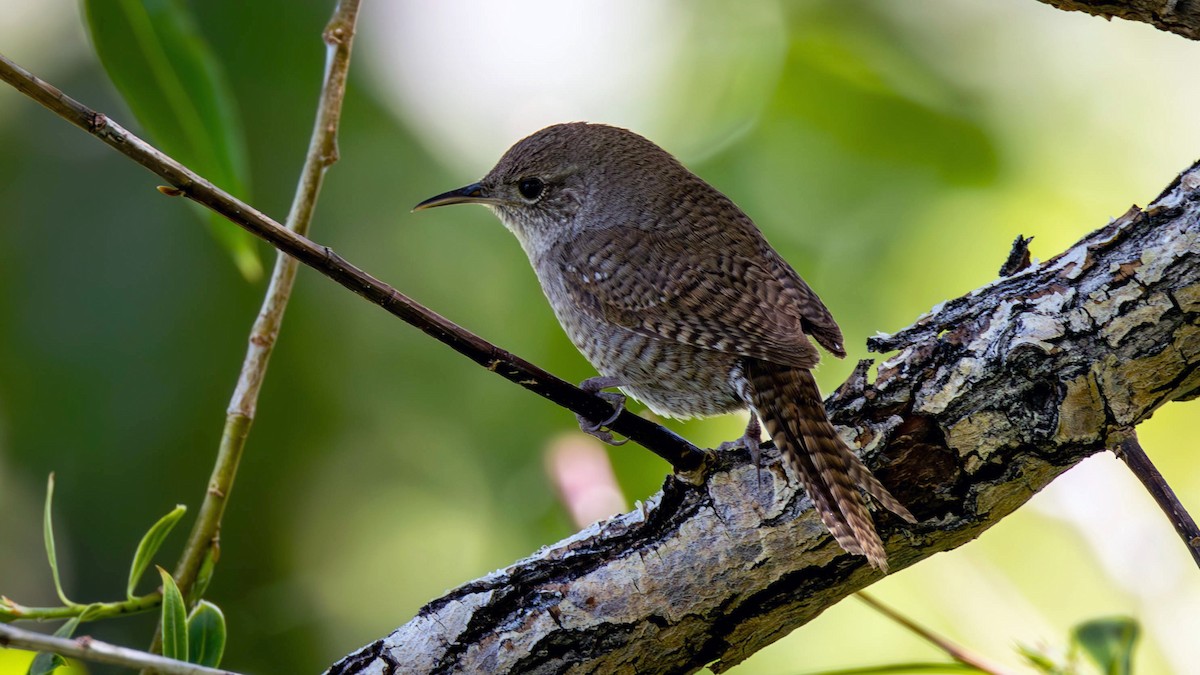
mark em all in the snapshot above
pixel 790 404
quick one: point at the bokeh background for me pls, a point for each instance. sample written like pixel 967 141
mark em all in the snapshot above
pixel 891 151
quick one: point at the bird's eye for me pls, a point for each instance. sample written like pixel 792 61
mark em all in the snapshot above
pixel 531 188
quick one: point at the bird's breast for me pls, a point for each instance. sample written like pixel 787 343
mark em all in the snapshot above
pixel 671 378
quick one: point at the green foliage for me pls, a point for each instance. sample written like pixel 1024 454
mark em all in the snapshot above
pixel 198 638
pixel 45 662
pixel 149 545
pixel 48 538
pixel 120 340
pixel 204 575
pixel 170 79
pixel 174 620
pixel 206 634
pixel 1109 643
pixel 1042 662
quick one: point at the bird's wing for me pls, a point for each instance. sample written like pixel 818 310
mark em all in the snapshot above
pixel 714 287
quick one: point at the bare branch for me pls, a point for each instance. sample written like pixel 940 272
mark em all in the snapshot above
pixel 1135 458
pixel 666 444
pixel 951 648
pixel 1181 17
pixel 87 649
pixel 991 396
pixel 322 153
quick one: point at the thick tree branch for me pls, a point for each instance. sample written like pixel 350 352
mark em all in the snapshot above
pixel 1181 17
pixel 666 444
pixel 990 397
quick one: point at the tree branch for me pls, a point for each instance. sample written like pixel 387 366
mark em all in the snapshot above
pixel 87 649
pixel 954 650
pixel 322 153
pixel 991 396
pixel 1131 452
pixel 666 444
pixel 1181 17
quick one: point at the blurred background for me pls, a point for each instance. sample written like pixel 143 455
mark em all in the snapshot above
pixel 890 151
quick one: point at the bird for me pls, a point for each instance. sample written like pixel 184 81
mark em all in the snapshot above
pixel 677 299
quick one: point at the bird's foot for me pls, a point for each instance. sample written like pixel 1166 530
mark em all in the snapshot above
pixel 596 385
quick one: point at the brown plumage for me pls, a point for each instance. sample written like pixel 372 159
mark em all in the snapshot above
pixel 791 407
pixel 673 294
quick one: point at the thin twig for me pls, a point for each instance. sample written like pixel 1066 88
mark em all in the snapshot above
pixel 902 669
pixel 1135 458
pixel 322 153
pixel 666 444
pixel 952 649
pixel 87 649
pixel 239 416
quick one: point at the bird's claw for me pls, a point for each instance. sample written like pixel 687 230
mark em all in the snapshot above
pixel 596 432
pixel 594 386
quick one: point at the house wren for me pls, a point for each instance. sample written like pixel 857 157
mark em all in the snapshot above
pixel 675 297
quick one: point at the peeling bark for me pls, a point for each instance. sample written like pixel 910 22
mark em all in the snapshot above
pixel 989 398
pixel 1181 17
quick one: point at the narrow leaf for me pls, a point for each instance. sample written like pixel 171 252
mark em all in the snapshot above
pixel 174 620
pixel 206 635
pixel 46 662
pixel 48 537
pixel 166 72
pixel 1109 642
pixel 205 573
pixel 149 545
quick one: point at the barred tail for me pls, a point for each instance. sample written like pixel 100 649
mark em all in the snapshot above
pixel 790 405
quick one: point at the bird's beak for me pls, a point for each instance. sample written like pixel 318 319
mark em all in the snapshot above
pixel 474 193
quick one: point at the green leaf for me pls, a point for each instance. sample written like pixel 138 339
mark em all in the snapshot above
pixel 1042 662
pixel 149 545
pixel 204 574
pixel 1109 642
pixel 206 635
pixel 166 72
pixel 45 662
pixel 48 537
pixel 174 620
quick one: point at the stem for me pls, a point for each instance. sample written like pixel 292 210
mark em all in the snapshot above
pixel 11 611
pixel 322 153
pixel 87 649
pixel 682 455
pixel 1131 452
pixel 952 649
